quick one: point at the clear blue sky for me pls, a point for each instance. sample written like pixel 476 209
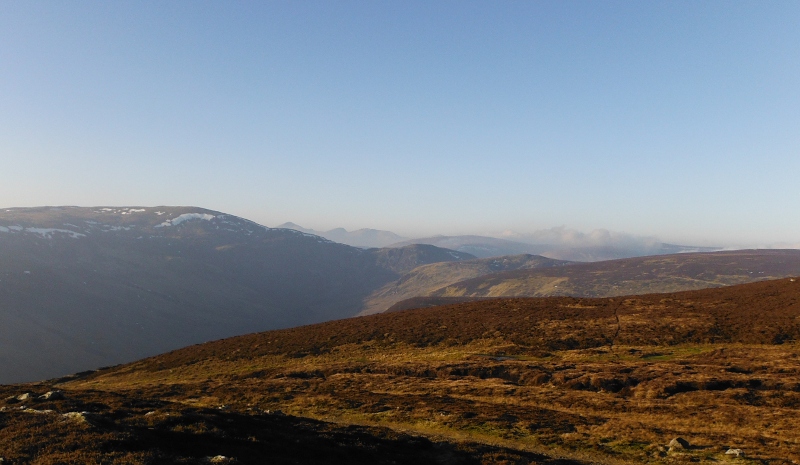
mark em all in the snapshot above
pixel 675 119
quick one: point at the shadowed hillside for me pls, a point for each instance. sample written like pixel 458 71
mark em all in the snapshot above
pixel 87 287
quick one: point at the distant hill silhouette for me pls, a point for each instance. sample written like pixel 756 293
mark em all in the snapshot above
pixel 365 237
pixel 480 246
pixel 486 247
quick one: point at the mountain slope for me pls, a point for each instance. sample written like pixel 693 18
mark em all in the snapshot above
pixel 426 279
pixel 86 287
pixel 640 275
pixel 402 260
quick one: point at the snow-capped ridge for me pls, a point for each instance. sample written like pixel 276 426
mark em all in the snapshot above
pixel 49 232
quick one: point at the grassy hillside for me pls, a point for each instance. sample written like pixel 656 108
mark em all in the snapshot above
pixel 427 279
pixel 640 275
pixel 551 380
pixel 534 276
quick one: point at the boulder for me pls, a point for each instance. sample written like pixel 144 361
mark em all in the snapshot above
pixel 52 395
pixel 735 452
pixel 678 444
pixel 38 412
pixel 24 397
pixel 219 459
pixel 78 417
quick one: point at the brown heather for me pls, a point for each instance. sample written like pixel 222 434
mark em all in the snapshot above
pixel 506 381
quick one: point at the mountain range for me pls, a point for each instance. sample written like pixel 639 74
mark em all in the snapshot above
pixel 557 243
pixel 87 287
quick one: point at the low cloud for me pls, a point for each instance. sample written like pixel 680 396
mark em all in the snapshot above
pixel 773 245
pixel 570 238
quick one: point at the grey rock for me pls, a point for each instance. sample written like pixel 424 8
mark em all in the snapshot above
pixel 735 452
pixel 52 395
pixel 678 444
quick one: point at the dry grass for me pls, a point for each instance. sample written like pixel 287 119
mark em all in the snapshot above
pixel 506 381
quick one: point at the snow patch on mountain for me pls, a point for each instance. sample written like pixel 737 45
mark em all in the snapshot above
pixel 49 232
pixel 121 211
pixel 185 217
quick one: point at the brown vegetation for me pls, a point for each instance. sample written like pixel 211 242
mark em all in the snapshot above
pixel 640 275
pixel 428 279
pixel 552 380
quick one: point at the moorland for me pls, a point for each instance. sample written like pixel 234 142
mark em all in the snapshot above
pixel 536 276
pixel 706 376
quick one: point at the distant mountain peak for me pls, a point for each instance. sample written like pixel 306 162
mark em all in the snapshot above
pixel 364 237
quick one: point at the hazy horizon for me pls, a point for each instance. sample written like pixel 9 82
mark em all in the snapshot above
pixel 676 121
pixel 556 235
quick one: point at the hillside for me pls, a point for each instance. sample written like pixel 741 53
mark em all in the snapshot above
pixel 427 279
pixel 550 380
pixel 531 276
pixel 403 260
pixel 640 275
pixel 87 287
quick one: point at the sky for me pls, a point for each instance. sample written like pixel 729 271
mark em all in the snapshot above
pixel 678 119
